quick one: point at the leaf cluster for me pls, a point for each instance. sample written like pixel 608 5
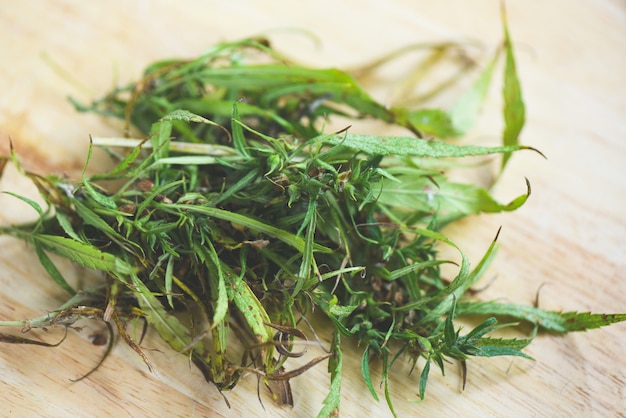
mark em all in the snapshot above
pixel 235 214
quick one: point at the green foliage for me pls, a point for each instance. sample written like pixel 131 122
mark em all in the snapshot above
pixel 411 146
pixel 514 109
pixel 335 364
pixel 236 209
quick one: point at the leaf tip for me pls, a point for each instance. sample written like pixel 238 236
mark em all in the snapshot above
pixel 536 150
pixel 497 234
pixel 528 188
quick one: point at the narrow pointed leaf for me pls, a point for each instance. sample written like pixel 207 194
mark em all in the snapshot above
pixel 170 329
pixel 514 108
pixel 410 146
pixel 424 379
pixel 365 371
pixel 547 320
pixel 465 111
pixel 335 364
pixel 52 269
pixel 83 254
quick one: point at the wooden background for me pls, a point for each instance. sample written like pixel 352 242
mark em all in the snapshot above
pixel 570 235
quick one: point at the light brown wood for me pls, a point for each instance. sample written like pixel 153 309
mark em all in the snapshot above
pixel 570 235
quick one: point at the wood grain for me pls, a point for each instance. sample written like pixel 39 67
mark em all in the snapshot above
pixel 571 235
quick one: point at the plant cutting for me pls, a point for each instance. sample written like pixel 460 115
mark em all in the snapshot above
pixel 235 214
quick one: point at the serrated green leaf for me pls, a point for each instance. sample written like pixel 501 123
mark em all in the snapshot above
pixel 484 328
pixel 583 321
pixel 411 146
pixel 83 254
pixel 186 116
pixel 513 343
pixel 495 351
pixel 547 320
pixel 475 344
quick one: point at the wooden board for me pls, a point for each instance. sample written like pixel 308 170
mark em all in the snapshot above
pixel 570 236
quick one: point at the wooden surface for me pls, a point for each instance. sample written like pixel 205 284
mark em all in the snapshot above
pixel 570 235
